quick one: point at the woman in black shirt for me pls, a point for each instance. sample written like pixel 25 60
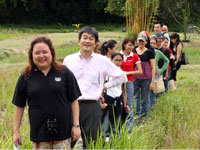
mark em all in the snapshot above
pixel 51 92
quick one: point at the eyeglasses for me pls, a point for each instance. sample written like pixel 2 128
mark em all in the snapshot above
pixel 117 60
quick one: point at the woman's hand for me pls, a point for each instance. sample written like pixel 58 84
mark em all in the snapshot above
pixel 17 139
pixel 151 86
pixel 75 133
pixel 127 109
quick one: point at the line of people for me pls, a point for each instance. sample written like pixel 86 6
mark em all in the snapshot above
pixel 66 101
pixel 143 63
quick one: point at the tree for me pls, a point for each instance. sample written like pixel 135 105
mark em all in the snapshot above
pixel 140 15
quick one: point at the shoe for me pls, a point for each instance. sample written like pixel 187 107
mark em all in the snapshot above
pixel 107 139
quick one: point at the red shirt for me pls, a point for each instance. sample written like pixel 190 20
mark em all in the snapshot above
pixel 129 62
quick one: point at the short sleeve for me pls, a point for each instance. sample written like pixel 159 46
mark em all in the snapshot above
pixel 73 90
pixel 151 54
pixel 137 58
pixel 19 97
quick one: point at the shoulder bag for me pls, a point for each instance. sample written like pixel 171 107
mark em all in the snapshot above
pixel 159 86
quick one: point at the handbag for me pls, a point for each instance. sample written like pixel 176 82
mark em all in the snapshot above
pixel 159 86
pixel 184 60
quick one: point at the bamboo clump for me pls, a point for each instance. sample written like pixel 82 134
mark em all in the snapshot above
pixel 140 15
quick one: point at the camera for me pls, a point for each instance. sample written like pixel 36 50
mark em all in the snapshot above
pixel 52 126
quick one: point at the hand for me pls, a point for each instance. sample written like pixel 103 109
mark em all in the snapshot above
pixel 127 73
pixel 127 109
pixel 172 57
pixel 17 139
pixel 158 71
pixel 166 77
pixel 104 105
pixel 101 99
pixel 75 133
pixel 151 86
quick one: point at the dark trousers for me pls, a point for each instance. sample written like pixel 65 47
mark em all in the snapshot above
pixel 90 120
pixel 174 72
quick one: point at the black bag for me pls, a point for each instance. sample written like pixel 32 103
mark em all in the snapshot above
pixel 184 60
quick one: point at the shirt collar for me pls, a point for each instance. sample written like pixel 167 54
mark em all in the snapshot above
pixel 130 55
pixel 79 53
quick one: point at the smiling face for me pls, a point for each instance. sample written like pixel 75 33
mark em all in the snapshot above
pixel 117 60
pixel 153 43
pixel 141 43
pixel 87 42
pixel 128 47
pixel 165 43
pixel 157 28
pixel 42 56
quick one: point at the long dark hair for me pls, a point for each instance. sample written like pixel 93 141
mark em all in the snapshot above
pixel 177 37
pixel 109 44
pixel 31 66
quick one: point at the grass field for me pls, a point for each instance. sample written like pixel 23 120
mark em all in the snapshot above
pixel 174 122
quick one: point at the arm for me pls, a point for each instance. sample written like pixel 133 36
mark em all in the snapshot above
pixel 136 72
pixel 178 51
pixel 153 71
pixel 17 139
pixel 125 97
pixel 166 61
pixel 76 132
pixel 118 76
pixel 166 74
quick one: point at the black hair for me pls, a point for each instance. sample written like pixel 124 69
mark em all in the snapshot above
pixel 153 38
pixel 90 30
pixel 109 44
pixel 158 22
pixel 165 38
pixel 116 54
pixel 177 37
pixel 126 40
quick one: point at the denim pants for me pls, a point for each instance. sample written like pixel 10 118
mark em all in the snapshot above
pixel 141 93
pixel 130 92
pixel 166 82
pixel 106 123
pixel 153 96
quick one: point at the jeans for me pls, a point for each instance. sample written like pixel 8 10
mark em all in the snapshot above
pixel 107 123
pixel 141 91
pixel 166 82
pixel 153 96
pixel 130 92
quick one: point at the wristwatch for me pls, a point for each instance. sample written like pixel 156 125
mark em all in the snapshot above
pixel 77 126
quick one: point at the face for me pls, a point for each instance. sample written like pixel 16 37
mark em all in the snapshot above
pixel 42 56
pixel 141 43
pixel 128 47
pixel 117 60
pixel 164 29
pixel 87 42
pixel 157 28
pixel 159 40
pixel 114 49
pixel 173 41
pixel 165 43
pixel 153 43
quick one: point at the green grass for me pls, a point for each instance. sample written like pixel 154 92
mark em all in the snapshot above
pixel 173 123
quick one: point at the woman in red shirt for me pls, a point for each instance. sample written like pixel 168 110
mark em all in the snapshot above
pixel 130 59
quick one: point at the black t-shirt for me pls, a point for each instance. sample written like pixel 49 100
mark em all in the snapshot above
pixel 48 97
pixel 147 55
